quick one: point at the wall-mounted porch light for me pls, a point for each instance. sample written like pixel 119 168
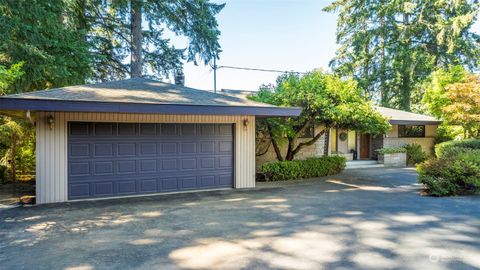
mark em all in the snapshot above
pixel 245 122
pixel 50 121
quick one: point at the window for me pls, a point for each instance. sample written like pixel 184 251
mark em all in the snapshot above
pixel 411 131
pixel 309 132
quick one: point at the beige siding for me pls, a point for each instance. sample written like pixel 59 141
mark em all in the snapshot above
pixel 52 147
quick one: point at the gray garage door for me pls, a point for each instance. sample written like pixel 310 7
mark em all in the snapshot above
pixel 118 159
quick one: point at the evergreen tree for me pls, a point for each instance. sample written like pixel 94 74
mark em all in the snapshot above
pixel 127 36
pixel 35 33
pixel 390 47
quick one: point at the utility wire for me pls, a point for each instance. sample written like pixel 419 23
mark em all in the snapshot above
pixel 260 69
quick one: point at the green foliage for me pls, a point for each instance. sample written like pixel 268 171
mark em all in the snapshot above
pixel 8 76
pixel 391 150
pixel 107 27
pixel 308 168
pixel 35 32
pixel 455 172
pixel 415 154
pixel 326 100
pixel 464 105
pixel 17 145
pixel 442 148
pixel 435 97
pixel 391 47
pixel 447 132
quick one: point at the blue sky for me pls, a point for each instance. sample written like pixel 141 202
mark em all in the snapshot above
pixel 273 34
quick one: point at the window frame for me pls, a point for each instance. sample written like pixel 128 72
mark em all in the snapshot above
pixel 306 135
pixel 401 131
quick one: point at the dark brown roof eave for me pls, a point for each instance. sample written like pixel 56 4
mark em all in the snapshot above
pixel 124 107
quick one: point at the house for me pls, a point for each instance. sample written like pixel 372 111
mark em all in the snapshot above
pixel 139 136
pixel 407 128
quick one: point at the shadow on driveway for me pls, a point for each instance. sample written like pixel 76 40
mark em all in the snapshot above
pixel 366 218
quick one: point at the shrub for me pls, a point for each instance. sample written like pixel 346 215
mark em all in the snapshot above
pixel 470 143
pixel 415 154
pixel 391 150
pixel 297 169
pixel 455 171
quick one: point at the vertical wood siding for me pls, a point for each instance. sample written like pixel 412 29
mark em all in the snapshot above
pixel 52 170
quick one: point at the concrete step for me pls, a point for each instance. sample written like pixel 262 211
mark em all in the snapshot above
pixel 361 164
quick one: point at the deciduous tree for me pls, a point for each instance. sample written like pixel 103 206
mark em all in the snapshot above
pixel 464 105
pixel 325 100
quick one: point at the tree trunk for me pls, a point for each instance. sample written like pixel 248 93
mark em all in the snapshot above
pixel 406 74
pixel 278 153
pixel 136 64
pixel 292 151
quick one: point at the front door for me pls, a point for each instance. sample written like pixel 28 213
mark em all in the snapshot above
pixel 365 146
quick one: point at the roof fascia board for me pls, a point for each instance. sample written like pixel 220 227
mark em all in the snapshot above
pixel 415 122
pixel 123 107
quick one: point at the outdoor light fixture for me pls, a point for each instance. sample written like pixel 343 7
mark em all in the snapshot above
pixel 245 122
pixel 50 121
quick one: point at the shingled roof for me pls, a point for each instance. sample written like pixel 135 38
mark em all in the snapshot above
pixel 405 118
pixel 144 94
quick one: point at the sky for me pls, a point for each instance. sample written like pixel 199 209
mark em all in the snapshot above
pixel 290 35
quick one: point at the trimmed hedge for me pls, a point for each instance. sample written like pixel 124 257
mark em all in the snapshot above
pixel 455 171
pixel 298 169
pixel 442 147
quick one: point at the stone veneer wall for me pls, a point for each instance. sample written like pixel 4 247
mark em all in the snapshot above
pixel 314 150
pixel 426 143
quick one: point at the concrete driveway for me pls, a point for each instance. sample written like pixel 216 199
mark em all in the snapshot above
pixel 367 219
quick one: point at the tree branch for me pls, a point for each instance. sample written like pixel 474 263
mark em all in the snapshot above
pixel 310 142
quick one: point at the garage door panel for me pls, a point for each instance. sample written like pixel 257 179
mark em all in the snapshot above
pixel 79 150
pixel 104 129
pixel 126 166
pixel 109 159
pixel 79 168
pixel 127 187
pixel 148 129
pixel 127 129
pixel 79 190
pixel 148 185
pixel 126 149
pixel 168 129
pixel 103 188
pixel 103 150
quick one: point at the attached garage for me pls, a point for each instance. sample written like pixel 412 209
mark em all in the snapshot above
pixel 115 159
pixel 135 137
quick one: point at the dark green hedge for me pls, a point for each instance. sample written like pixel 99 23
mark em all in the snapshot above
pixel 308 168
pixel 442 147
pixel 455 171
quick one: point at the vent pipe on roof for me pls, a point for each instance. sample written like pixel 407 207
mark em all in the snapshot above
pixel 179 77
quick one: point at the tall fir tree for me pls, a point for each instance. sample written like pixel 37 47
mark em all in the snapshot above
pixel 391 47
pixel 128 36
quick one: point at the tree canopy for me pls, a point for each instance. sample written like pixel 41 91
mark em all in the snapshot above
pixel 326 100
pixel 463 107
pixel 35 33
pixel 119 29
pixel 391 47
